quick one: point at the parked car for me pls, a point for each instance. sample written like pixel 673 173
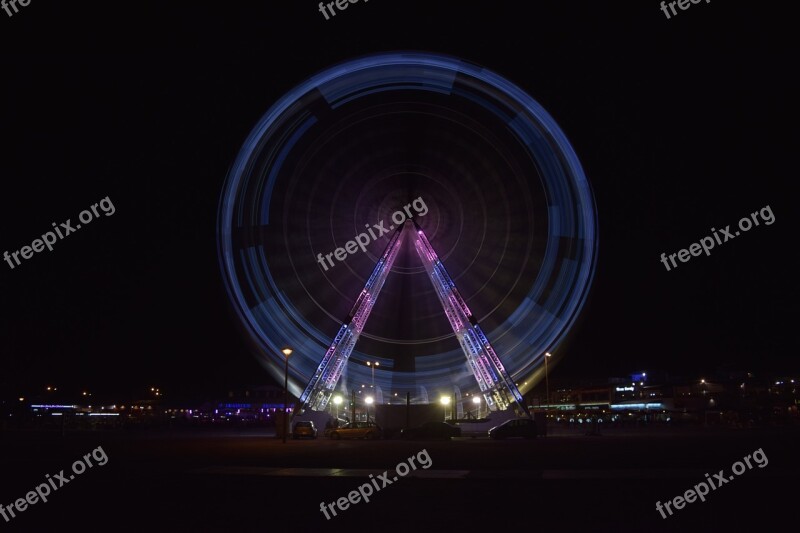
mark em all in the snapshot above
pixel 517 427
pixel 304 429
pixel 431 430
pixel 357 430
pixel 331 427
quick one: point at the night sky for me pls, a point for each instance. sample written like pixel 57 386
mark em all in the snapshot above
pixel 681 125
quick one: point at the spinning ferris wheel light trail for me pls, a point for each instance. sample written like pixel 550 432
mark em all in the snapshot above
pixel 346 145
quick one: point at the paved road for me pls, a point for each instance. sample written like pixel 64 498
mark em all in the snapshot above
pixel 240 481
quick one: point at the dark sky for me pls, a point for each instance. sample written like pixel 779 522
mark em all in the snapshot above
pixel 681 125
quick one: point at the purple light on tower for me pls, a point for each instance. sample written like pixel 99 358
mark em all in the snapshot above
pixel 493 380
pixel 323 383
pixel 497 387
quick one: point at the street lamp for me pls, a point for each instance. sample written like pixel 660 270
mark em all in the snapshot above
pixel 373 365
pixel 287 352
pixel 369 401
pixel 337 400
pixel 547 355
pixel 445 402
pixel 477 401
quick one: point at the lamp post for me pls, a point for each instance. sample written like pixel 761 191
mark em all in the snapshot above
pixel 286 352
pixel 445 401
pixel 337 400
pixel 369 401
pixel 477 401
pixel 373 365
pixel 547 356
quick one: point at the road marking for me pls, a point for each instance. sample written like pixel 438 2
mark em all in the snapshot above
pixel 563 474
pixel 323 472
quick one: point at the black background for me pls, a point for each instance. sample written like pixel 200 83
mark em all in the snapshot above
pixel 681 124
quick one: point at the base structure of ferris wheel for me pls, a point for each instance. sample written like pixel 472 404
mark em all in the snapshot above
pixel 498 389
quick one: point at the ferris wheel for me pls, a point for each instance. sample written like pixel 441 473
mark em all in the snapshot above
pixel 410 224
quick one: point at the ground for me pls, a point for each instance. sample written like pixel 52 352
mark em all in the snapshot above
pixel 242 480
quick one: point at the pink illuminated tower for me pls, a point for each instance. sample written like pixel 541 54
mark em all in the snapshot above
pixel 495 384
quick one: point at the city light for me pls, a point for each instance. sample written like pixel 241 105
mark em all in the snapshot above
pixel 547 355
pixel 286 352
pixel 445 400
pixel 368 400
pixel 373 365
pixel 454 407
pixel 477 401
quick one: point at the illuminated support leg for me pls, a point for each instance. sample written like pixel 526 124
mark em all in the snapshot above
pixel 493 380
pixel 498 388
pixel 323 383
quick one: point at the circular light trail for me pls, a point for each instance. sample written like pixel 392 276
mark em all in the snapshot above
pixel 511 214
